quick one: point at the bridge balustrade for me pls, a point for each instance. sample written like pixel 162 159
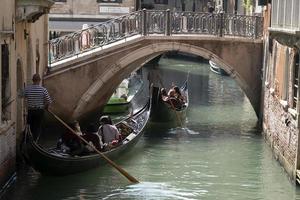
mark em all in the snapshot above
pixel 149 22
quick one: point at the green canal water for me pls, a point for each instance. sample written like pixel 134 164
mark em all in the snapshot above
pixel 219 155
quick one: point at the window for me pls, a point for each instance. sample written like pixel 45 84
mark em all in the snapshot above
pixel 109 1
pixel 5 81
pixel 281 73
pixel 296 80
pixel 274 63
pixel 285 14
pixel 161 1
pixel 285 85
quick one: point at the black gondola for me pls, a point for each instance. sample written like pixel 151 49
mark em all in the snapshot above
pixel 216 69
pixel 53 162
pixel 168 111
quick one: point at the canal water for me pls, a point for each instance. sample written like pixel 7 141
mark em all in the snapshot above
pixel 218 154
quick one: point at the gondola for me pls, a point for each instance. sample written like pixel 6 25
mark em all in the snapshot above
pixel 120 101
pixel 54 162
pixel 167 111
pixel 216 69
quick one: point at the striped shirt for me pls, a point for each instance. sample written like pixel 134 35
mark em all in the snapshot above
pixel 37 97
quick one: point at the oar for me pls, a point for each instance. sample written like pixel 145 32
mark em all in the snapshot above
pixel 178 117
pixel 122 171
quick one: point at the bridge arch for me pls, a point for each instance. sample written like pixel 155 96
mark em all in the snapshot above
pixel 122 67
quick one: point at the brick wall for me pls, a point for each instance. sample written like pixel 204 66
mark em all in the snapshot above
pixel 281 132
pixel 7 152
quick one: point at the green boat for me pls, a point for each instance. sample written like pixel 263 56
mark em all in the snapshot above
pixel 120 101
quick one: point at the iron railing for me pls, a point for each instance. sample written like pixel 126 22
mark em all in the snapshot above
pixel 149 22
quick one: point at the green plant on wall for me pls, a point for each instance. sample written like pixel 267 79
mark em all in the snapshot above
pixel 248 4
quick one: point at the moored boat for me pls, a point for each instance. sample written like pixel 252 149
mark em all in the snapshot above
pixel 121 99
pixel 216 69
pixel 53 161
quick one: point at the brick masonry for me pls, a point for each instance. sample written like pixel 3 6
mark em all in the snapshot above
pixel 7 152
pixel 281 132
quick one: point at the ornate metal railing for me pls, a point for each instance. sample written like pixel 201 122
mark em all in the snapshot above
pixel 148 22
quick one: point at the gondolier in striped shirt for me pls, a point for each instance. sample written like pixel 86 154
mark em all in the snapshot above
pixel 38 100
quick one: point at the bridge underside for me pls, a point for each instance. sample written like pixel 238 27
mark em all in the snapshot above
pixel 84 84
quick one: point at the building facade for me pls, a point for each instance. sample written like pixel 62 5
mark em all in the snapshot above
pixel 177 5
pixel 281 82
pixel 69 15
pixel 24 49
pixel 227 6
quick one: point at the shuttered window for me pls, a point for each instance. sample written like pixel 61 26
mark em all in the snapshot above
pixel 281 78
pixel 296 80
pixel 5 83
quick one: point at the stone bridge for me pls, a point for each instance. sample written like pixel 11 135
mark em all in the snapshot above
pixel 82 78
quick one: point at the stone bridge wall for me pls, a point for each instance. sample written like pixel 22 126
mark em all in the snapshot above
pixel 84 84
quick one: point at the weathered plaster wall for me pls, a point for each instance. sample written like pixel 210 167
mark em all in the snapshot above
pixel 280 123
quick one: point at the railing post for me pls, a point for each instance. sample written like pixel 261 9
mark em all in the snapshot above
pixel 144 22
pixel 183 23
pixel 221 24
pixel 168 23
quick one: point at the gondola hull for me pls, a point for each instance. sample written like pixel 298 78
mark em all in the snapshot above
pixel 118 104
pixel 216 69
pixel 115 108
pixel 48 161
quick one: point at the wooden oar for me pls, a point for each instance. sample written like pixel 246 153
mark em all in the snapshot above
pixel 122 171
pixel 178 117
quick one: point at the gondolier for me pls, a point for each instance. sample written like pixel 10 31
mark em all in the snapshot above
pixel 38 100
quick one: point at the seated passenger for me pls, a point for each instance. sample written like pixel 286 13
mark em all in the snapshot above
pixel 175 99
pixel 164 94
pixel 171 92
pixel 69 142
pixel 108 132
pixel 178 94
pixel 92 137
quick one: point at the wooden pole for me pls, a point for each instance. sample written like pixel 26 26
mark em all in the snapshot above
pixel 178 117
pixel 122 171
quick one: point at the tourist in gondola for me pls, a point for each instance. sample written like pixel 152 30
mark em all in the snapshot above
pixel 178 94
pixel 69 142
pixel 164 94
pixel 175 98
pixel 108 132
pixel 92 136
